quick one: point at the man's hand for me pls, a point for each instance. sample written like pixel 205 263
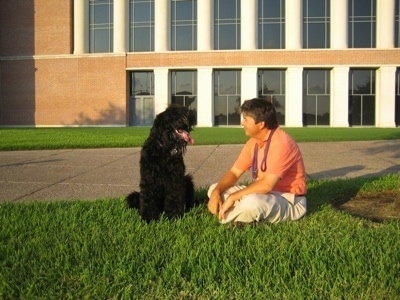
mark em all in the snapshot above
pixel 227 205
pixel 214 203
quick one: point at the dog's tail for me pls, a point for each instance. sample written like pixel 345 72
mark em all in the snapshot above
pixel 133 200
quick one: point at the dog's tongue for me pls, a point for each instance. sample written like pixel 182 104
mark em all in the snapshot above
pixel 186 136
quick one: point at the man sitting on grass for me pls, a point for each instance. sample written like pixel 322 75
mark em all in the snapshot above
pixel 279 187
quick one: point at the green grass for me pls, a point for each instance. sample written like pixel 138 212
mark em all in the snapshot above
pixel 101 250
pixel 63 138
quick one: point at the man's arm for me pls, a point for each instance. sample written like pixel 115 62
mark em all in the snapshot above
pixel 226 181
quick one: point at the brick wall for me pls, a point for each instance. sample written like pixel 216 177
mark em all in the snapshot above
pixel 35 27
pixel 64 91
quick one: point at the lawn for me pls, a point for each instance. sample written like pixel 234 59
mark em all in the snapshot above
pixel 102 250
pixel 68 138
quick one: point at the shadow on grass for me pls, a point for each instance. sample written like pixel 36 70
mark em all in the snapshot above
pixel 340 191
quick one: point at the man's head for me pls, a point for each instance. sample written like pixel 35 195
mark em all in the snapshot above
pixel 261 111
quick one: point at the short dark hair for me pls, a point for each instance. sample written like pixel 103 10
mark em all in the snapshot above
pixel 260 110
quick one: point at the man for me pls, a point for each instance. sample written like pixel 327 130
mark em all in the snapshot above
pixel 279 187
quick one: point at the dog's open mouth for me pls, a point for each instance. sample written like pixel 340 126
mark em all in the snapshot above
pixel 185 135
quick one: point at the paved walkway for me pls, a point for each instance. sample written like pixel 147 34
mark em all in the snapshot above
pixel 101 173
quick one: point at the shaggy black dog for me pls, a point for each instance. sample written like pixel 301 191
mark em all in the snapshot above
pixel 164 187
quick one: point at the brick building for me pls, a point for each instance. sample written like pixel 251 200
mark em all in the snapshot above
pixel 120 62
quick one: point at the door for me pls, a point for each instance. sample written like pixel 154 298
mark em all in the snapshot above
pixel 141 110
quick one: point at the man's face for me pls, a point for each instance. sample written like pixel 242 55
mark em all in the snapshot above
pixel 251 128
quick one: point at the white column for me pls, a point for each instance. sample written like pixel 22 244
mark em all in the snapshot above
pixel 294 24
pixel 205 108
pixel 385 24
pixel 340 97
pixel 161 88
pixel 339 17
pixel 121 24
pixel 248 83
pixel 385 97
pixel 248 24
pixel 162 26
pixel 294 97
pixel 205 25
pixel 81 26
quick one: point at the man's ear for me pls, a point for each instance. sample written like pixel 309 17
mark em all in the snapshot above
pixel 262 124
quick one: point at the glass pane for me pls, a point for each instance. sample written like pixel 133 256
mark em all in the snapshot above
pixel 323 110
pixel 142 38
pixel 316 8
pixel 397 110
pixel 143 83
pixel 271 36
pixel 184 10
pixel 233 110
pixel 309 110
pixel 317 82
pixel 363 7
pixel 220 107
pixel 368 110
pixel 142 12
pixel 362 35
pixel 355 110
pixel 101 40
pixel 183 38
pixel 316 36
pixel 270 8
pixel 227 37
pixel 226 9
pixel 362 83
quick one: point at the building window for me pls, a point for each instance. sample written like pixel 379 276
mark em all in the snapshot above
pixel 141 25
pixel 141 102
pixel 184 24
pixel 397 26
pixel 397 103
pixel 226 97
pixel 271 24
pixel 184 89
pixel 362 23
pixel 226 24
pixel 316 24
pixel 316 97
pixel 362 97
pixel 101 26
pixel 271 86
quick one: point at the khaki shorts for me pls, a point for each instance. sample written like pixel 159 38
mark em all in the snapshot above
pixel 271 207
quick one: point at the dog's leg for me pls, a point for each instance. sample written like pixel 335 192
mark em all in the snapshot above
pixel 189 195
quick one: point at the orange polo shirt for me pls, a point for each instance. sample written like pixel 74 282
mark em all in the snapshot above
pixel 284 159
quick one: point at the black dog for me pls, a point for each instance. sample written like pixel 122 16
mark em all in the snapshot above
pixel 164 187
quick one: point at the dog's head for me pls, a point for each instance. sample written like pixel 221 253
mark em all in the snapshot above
pixel 172 127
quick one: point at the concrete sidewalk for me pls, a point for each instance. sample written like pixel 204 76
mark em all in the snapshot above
pixel 101 173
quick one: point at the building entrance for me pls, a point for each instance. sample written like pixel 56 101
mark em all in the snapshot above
pixel 141 111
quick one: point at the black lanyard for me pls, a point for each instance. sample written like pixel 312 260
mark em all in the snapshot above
pixel 263 167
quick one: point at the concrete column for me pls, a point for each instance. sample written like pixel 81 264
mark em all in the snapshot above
pixel 162 26
pixel 81 26
pixel 294 97
pixel 249 83
pixel 161 90
pixel 385 97
pixel 205 107
pixel 294 24
pixel 385 24
pixel 339 24
pixel 248 24
pixel 340 97
pixel 205 25
pixel 121 25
